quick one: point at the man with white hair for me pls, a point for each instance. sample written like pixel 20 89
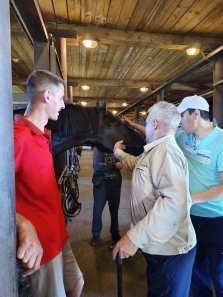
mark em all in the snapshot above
pixel 202 145
pixel 160 205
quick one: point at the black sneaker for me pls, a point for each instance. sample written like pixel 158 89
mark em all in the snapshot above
pixel 116 237
pixel 95 240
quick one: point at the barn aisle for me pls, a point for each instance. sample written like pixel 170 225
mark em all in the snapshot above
pixel 95 262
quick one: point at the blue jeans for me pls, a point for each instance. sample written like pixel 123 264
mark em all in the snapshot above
pixel 107 190
pixel 169 276
pixel 208 263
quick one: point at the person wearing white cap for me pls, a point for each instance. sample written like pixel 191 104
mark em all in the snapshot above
pixel 202 145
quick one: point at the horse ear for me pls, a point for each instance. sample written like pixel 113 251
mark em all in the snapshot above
pixel 103 107
pixel 97 105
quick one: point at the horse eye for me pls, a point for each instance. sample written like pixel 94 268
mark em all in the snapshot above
pixel 118 124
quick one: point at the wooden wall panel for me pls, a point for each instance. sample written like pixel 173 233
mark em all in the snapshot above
pixel 60 8
pixel 127 10
pixel 140 14
pixel 115 8
pixel 47 10
pixel 160 13
pixel 73 10
pixel 107 61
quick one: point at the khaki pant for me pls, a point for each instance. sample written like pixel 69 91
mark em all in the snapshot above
pixel 56 277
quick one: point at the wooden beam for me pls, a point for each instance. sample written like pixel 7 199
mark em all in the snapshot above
pixel 132 38
pixel 110 100
pixel 188 87
pixel 76 82
pixel 113 83
pixel 19 81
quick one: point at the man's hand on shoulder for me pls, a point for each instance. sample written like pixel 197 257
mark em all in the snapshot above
pixel 29 250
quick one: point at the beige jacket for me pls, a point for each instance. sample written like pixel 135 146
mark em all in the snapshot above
pixel 160 199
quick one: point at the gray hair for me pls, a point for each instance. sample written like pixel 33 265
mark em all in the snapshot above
pixel 41 80
pixel 166 114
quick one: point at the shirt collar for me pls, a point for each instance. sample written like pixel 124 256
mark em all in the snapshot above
pixel 151 145
pixel 30 125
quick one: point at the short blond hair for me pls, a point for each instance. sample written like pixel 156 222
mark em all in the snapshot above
pixel 40 79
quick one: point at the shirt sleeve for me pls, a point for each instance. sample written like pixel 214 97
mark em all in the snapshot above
pixel 170 208
pixel 220 159
pixel 127 160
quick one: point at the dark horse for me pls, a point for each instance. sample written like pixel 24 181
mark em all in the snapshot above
pixel 94 126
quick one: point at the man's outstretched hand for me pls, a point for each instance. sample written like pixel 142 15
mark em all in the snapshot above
pixel 119 145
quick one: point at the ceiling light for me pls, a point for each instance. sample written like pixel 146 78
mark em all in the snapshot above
pixel 90 43
pixel 114 112
pixel 144 89
pixel 84 103
pixel 192 51
pixel 124 104
pixel 143 112
pixel 85 88
pixel 15 60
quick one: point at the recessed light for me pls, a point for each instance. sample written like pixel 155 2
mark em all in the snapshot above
pixel 90 43
pixel 144 89
pixel 192 51
pixel 85 88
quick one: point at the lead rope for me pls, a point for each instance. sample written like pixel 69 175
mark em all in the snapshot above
pixel 70 191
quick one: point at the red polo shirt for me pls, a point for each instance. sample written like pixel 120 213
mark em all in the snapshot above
pixel 37 197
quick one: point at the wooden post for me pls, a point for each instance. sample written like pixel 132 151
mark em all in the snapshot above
pixel 41 56
pixel 136 113
pixel 71 94
pixel 218 92
pixel 63 58
pixel 160 96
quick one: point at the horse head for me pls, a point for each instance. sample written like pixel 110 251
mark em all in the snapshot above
pixel 95 126
pixel 111 130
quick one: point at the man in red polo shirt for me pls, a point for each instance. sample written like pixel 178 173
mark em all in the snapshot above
pixel 43 246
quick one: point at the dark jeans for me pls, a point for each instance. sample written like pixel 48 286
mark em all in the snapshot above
pixel 208 263
pixel 108 190
pixel 169 276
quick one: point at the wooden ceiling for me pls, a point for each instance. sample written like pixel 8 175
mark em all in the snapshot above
pixel 141 43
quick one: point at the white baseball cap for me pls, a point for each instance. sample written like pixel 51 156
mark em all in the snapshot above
pixel 194 102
